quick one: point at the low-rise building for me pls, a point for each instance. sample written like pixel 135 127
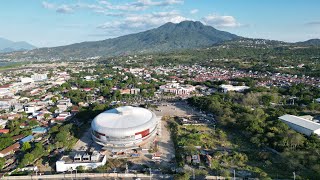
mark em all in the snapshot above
pixel 301 125
pixel 4 131
pixel 6 91
pixel 177 89
pixel 226 88
pixel 26 139
pixel 9 150
pixel 3 123
pixel 7 103
pixel 72 161
pixel 25 80
pixel 64 104
pixel 63 116
pixel 30 109
pixel 39 130
pixel 130 91
pixel 39 77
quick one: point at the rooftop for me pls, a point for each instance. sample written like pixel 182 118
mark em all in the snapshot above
pixel 123 117
pixel 300 122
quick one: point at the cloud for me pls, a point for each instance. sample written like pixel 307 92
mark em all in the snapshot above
pixel 48 5
pixel 137 22
pixel 65 9
pixel 221 21
pixel 110 9
pixel 139 5
pixel 194 11
pixel 313 23
pixel 108 13
pixel 158 3
pixel 59 9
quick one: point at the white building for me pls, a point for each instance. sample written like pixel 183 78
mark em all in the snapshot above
pixel 26 80
pixel 7 103
pixel 124 128
pixel 64 104
pixel 71 162
pixel 6 91
pixel 177 89
pixel 301 125
pixel 31 109
pixel 3 123
pixel 226 88
pixel 39 77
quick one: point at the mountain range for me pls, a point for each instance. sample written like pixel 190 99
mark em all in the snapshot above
pixel 310 42
pixel 10 46
pixel 166 38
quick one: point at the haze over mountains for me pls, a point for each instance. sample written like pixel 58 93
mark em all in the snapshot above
pixel 166 38
pixel 10 46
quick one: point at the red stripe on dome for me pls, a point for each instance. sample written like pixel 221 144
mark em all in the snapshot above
pixel 143 133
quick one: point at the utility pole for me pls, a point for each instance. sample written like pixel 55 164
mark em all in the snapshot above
pixel 126 168
pixel 294 175
pixel 293 101
pixel 234 174
pixel 193 175
pixel 150 173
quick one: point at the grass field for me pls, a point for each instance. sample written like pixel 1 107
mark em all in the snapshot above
pixel 229 150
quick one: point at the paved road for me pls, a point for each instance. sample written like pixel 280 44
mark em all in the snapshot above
pixel 82 176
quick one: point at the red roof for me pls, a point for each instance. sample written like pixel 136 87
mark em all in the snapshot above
pixel 5 86
pixel 17 137
pixel 10 148
pixel 4 131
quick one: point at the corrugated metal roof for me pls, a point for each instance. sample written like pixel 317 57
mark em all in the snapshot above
pixel 300 122
pixel 26 139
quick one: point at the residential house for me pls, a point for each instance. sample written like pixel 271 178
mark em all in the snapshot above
pixel 4 131
pixel 64 104
pixel 9 150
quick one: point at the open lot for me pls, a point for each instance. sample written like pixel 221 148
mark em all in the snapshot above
pixel 180 108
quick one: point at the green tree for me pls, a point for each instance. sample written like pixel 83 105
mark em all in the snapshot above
pixel 27 159
pixel 26 146
pixel 33 123
pixel 266 99
pixel 2 162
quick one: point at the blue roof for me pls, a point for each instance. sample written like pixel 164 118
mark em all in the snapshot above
pixel 39 129
pixel 26 139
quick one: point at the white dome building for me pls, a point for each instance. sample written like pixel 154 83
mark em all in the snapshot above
pixel 124 127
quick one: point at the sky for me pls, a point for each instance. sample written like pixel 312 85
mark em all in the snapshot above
pixel 47 23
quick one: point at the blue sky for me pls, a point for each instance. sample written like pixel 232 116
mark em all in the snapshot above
pixel 60 22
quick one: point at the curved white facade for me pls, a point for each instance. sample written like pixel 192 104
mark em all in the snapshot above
pixel 124 127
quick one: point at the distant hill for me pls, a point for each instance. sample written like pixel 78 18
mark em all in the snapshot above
pixel 310 42
pixel 10 46
pixel 168 37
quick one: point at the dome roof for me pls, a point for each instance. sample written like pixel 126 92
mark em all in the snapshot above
pixel 123 120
